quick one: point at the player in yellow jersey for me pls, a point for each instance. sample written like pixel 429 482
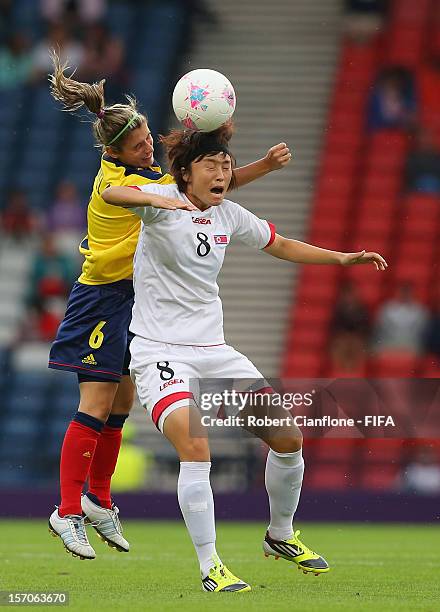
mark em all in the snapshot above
pixel 93 338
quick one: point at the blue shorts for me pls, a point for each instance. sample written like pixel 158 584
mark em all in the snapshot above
pixel 93 338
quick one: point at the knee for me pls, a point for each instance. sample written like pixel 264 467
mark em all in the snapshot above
pixel 124 403
pixel 194 449
pixel 290 444
pixel 100 412
pixel 122 406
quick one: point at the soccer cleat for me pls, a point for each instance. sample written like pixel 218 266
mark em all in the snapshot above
pixel 221 580
pixel 106 523
pixel 294 550
pixel 71 530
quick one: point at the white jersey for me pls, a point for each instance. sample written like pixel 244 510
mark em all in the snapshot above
pixel 178 258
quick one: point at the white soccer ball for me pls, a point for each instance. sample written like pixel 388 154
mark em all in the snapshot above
pixel 203 100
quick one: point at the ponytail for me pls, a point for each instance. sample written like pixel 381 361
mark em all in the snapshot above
pixel 112 123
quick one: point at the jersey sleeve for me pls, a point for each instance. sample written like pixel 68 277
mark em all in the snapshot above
pixel 249 228
pixel 148 214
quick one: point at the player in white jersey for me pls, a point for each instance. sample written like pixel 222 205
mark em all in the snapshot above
pixel 178 326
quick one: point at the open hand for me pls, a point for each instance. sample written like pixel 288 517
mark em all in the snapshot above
pixel 278 156
pixel 157 201
pixel 352 259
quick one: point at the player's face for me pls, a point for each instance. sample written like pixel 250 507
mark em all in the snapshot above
pixel 137 149
pixel 209 179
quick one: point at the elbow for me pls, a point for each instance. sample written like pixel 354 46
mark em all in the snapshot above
pixel 110 197
pixel 106 195
pixel 283 247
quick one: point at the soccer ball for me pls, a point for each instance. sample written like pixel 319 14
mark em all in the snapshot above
pixel 203 100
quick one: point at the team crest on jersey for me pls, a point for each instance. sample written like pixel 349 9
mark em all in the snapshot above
pixel 221 239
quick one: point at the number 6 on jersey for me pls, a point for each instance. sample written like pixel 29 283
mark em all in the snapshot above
pixel 97 337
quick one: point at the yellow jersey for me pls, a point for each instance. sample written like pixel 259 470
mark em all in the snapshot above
pixel 113 231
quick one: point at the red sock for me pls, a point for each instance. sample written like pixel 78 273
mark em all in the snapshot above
pixel 76 457
pixel 104 464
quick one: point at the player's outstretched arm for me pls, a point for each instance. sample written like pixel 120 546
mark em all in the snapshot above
pixel 302 252
pixel 276 158
pixel 129 197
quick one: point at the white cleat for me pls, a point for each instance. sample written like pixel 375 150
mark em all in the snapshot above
pixel 106 523
pixel 72 531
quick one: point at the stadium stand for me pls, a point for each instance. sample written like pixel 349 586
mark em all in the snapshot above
pixel 360 202
pixel 39 147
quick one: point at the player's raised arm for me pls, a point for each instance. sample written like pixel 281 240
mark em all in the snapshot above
pixel 276 158
pixel 132 197
pixel 302 252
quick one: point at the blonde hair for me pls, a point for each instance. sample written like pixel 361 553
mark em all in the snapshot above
pixel 113 122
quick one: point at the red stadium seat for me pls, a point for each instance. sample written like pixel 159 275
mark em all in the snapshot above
pixel 385 161
pixel 319 327
pixel 370 292
pixel 382 450
pixel 357 61
pixel 389 142
pixel 309 292
pixel 345 97
pixel 412 270
pixel 385 184
pixel 358 202
pixel 374 211
pixel 404 37
pixel 393 364
pixel 358 370
pixel 377 244
pixel 420 249
pixel 319 273
pixel 403 12
pixel 330 241
pixel 346 119
pixel 310 313
pixel 339 186
pixel 346 142
pixel 429 93
pixel 421 229
pixel 308 338
pixel 332 207
pixel 334 478
pixel 421 287
pixel 333 449
pixel 301 364
pixel 430 367
pixel 415 221
pixel 384 477
pixel 422 203
pixel 405 51
pixel 326 226
pixel 378 206
pixel 373 225
pixel 337 163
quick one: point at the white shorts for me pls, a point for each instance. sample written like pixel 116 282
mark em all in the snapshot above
pixel 166 375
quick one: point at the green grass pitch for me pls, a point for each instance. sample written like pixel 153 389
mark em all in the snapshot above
pixel 374 567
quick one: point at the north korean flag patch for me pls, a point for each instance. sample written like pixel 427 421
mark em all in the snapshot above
pixel 221 239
